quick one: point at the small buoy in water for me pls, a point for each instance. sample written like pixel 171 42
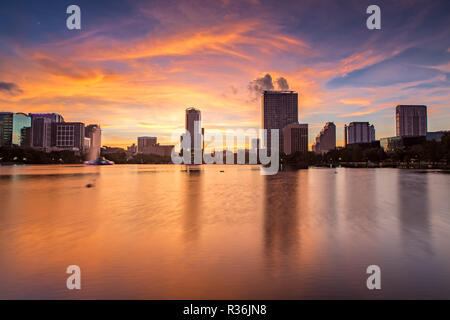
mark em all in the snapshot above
pixel 89 185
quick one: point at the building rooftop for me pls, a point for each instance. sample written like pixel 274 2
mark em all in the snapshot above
pixel 278 91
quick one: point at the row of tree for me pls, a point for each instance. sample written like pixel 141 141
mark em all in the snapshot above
pixel 432 152
pixel 31 156
pixel 122 158
pixel 17 155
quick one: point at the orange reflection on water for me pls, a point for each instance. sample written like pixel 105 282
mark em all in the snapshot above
pixel 159 232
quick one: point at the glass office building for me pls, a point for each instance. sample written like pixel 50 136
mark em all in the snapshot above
pixel 13 127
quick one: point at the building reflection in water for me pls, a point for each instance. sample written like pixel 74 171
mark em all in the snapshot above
pixel 413 211
pixel 281 195
pixel 192 192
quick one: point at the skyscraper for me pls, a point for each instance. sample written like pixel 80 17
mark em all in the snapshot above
pixel 279 108
pixel 41 129
pixel 194 127
pixel 411 120
pixel 359 132
pixel 13 127
pixel 295 137
pixel 326 139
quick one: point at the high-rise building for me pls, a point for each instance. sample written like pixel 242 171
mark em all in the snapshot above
pixel 144 143
pixel 41 129
pixel 68 135
pixel 411 120
pixel 194 127
pixel 295 136
pixel 279 108
pixel 12 129
pixel 94 133
pixel 359 132
pixel 326 139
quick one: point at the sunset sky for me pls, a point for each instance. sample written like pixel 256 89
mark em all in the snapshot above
pixel 135 66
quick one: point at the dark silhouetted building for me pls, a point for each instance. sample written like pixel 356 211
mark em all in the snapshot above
pixel 144 143
pixel 359 132
pixel 295 138
pixel 411 120
pixel 25 139
pixel 149 145
pixel 279 108
pixel 194 127
pixel 326 139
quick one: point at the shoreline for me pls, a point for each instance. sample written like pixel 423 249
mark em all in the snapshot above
pixel 355 165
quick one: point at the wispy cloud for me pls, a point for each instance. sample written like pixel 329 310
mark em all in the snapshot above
pixel 137 75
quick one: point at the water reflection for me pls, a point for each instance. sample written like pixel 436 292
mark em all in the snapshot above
pixel 192 193
pixel 223 232
pixel 413 211
pixel 280 216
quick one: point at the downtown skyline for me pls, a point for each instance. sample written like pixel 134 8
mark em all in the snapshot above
pixel 134 68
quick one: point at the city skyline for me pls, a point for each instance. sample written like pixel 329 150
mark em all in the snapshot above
pixel 281 111
pixel 136 76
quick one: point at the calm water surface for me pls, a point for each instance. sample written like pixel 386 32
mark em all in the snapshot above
pixel 157 232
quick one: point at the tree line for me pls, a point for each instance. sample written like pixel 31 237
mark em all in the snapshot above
pixel 429 153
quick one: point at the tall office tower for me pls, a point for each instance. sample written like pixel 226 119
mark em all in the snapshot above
pixel 194 127
pixel 68 135
pixel 359 132
pixel 295 137
pixel 12 126
pixel 326 139
pixel 145 143
pixel 279 108
pixel 94 133
pixel 411 120
pixel 41 129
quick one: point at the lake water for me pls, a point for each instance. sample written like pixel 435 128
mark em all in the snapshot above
pixel 158 232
